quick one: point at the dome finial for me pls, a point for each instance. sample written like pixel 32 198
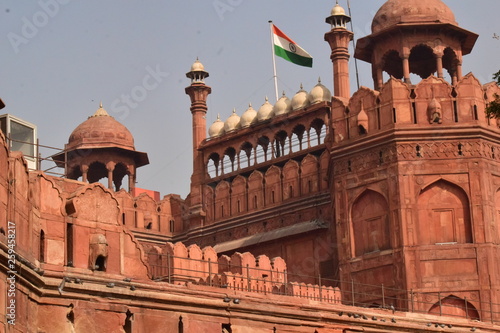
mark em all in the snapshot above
pixel 100 105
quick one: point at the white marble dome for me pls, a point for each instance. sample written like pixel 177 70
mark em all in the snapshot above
pixel 320 93
pixel 282 106
pixel 300 100
pixel 265 111
pixel 217 128
pixel 249 117
pixel 232 123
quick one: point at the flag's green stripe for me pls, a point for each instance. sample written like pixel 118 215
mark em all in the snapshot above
pixel 292 57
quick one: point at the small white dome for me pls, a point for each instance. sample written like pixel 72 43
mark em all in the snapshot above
pixel 217 128
pixel 320 93
pixel 197 66
pixel 232 123
pixel 282 106
pixel 337 10
pixel 265 111
pixel 300 100
pixel 249 117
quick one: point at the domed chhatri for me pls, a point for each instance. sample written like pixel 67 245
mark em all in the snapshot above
pixel 265 111
pixel 101 131
pixel 197 74
pixel 395 12
pixel 217 128
pixel 101 147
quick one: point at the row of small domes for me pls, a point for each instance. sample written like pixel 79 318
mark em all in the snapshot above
pixel 284 105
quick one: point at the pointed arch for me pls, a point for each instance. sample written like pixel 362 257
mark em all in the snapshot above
pixel 309 172
pixel 222 200
pixel 298 138
pixel 443 214
pixel 273 185
pixel 228 160
pixel 213 165
pixel 370 223
pixel 239 195
pixel 245 156
pixel 209 204
pixel 255 191
pixel 456 307
pixel 291 180
pixel 422 61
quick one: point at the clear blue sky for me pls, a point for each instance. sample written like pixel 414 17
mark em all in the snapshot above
pixel 58 62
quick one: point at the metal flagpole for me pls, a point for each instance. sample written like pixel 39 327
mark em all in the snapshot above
pixel 274 61
pixel 354 44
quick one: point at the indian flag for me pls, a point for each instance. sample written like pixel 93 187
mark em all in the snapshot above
pixel 286 48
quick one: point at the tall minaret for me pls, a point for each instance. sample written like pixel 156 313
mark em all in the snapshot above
pixel 198 91
pixel 339 38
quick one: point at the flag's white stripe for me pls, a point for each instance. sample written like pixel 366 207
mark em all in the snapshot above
pixel 285 44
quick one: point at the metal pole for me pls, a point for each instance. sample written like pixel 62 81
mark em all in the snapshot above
pixel 466 310
pixel 209 272
pixel 169 268
pixel 275 76
pixel 352 291
pixel 383 296
pixel 354 44
pixel 440 305
pixel 249 287
pixel 412 300
pixel 320 295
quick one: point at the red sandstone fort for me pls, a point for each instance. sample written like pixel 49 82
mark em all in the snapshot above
pixel 376 211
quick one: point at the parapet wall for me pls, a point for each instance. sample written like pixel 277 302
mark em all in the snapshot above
pixel 178 264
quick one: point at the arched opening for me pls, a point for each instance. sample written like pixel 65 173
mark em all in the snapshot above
pixel 393 64
pixel 297 138
pixel 42 246
pixel 228 161
pixel 317 132
pixel 280 144
pixel 119 173
pixel 127 327
pixel 213 165
pixel 456 307
pixel 422 61
pixel 450 63
pixel 100 263
pixel 443 215
pixel 370 223
pixel 97 171
pixel 263 151
pixel 245 155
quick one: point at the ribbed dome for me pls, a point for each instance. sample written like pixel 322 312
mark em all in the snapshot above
pixel 248 117
pixel 300 100
pixel 217 128
pixel 99 131
pixel 282 106
pixel 411 11
pixel 319 93
pixel 232 123
pixel 265 111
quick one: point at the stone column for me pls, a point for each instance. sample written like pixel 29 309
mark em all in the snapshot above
pixel 406 69
pixel 110 167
